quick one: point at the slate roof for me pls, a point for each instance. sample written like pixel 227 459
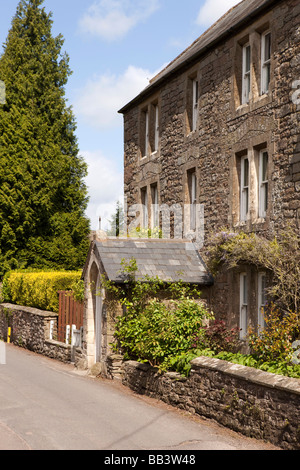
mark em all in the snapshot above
pixel 170 260
pixel 236 18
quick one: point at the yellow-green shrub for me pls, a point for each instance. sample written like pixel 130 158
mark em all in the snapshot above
pixel 38 289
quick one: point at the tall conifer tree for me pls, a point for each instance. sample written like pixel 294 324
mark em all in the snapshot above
pixel 42 192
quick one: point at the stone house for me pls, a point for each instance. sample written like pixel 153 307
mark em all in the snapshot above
pixel 218 128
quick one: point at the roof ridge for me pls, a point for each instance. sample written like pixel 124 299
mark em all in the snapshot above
pixel 234 19
pixel 197 40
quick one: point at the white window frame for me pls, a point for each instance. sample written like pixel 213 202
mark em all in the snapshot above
pixel 245 189
pixel 146 133
pixel 155 207
pixel 262 301
pixel 195 104
pixel 156 130
pixel 265 64
pixel 144 199
pixel 263 184
pixel 193 199
pixel 246 88
pixel 243 305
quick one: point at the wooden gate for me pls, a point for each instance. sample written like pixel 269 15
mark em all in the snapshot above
pixel 70 316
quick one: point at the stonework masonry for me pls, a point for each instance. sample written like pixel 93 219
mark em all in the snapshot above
pixel 255 403
pixel 30 329
pixel 226 131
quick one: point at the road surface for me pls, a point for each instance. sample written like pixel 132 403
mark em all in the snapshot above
pixel 47 405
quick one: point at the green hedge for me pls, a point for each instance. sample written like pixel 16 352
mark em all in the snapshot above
pixel 38 289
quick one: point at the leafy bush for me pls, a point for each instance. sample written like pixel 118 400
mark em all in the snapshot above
pixel 78 290
pixel 160 320
pixel 181 363
pixel 161 330
pixel 274 343
pixel 217 337
pixel 37 289
pixel 272 350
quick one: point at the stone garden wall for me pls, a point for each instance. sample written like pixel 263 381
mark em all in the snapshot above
pixel 30 329
pixel 253 402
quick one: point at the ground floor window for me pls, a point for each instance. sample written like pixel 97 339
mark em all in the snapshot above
pixel 243 305
pixel 252 301
pixel 261 301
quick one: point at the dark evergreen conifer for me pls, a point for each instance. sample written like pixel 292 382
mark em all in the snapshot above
pixel 42 192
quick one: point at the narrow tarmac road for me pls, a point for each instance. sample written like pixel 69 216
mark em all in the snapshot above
pixel 47 405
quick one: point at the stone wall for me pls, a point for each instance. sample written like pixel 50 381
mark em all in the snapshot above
pixel 30 329
pixel 249 401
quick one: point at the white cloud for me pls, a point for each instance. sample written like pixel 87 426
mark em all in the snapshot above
pixel 101 98
pixel 105 187
pixel 113 19
pixel 212 10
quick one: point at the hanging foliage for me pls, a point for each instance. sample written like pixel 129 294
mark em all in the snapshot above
pixel 280 256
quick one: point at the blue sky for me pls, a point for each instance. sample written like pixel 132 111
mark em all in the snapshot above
pixel 115 47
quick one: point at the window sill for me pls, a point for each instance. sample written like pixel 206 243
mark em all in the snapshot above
pixel 243 108
pixel 261 100
pixel 191 135
pixel 260 223
pixel 253 104
pixel 251 223
pixel 147 158
pixel 241 223
pixel 260 220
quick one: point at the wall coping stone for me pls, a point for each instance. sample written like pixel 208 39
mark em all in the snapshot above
pixel 31 310
pixel 58 343
pixel 249 374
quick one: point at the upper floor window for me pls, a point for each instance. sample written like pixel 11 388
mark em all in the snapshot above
pixel 192 190
pixel 149 130
pixel 251 184
pixel 245 176
pixel 195 104
pixel 144 200
pixel 246 82
pixel 265 62
pixel 154 206
pixel 263 183
pixel 144 133
pixel 156 128
pixel 192 107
